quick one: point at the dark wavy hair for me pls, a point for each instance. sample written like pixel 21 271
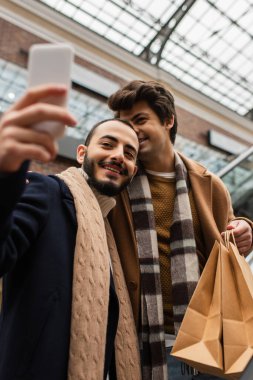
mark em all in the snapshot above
pixel 159 99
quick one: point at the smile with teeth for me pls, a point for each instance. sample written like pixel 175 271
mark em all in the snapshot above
pixel 113 167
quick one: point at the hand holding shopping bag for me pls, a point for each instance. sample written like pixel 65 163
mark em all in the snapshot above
pixel 216 335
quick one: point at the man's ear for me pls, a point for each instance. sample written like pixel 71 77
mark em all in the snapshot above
pixel 169 123
pixel 81 153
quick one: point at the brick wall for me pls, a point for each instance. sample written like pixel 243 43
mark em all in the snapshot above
pixel 56 166
pixel 195 128
pixel 15 43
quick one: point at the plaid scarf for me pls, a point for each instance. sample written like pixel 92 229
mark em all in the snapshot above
pixel 184 267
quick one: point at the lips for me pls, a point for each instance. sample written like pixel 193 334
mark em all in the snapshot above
pixel 141 139
pixel 113 167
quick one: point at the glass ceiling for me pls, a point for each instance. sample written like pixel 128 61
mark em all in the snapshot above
pixel 207 44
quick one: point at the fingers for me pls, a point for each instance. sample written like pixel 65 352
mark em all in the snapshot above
pixel 23 152
pixel 36 113
pixel 239 227
pixel 243 249
pixel 13 134
pixel 18 140
pixel 243 235
pixel 20 144
pixel 244 242
pixel 35 94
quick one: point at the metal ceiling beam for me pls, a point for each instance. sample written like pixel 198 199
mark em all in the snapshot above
pixel 165 32
pixel 233 22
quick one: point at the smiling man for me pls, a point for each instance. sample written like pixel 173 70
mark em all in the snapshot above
pixel 62 279
pixel 165 225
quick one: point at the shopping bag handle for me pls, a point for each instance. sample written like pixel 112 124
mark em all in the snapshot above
pixel 229 237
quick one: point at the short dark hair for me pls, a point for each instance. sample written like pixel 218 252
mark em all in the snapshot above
pixel 92 130
pixel 159 99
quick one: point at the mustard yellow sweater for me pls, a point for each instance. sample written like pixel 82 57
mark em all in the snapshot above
pixel 163 196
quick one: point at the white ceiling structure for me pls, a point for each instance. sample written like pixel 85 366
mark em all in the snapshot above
pixel 206 44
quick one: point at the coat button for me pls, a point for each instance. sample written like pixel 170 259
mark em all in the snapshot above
pixel 132 285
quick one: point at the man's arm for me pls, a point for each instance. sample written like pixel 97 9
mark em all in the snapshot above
pixel 242 229
pixel 23 221
pixel 19 143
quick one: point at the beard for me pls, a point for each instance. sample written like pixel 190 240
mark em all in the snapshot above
pixel 103 187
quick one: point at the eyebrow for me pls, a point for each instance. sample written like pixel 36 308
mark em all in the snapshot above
pixel 129 146
pixel 138 115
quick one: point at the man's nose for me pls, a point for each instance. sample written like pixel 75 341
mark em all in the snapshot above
pixel 118 154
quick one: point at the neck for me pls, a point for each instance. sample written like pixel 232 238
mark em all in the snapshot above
pixel 161 163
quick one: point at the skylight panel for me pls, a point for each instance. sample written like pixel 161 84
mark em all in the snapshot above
pixel 162 10
pixel 250 78
pixel 113 35
pixel 83 18
pixel 196 33
pixel 111 9
pixel 51 3
pixel 99 26
pixel 89 8
pixel 199 9
pixel 191 81
pixel 127 19
pixel 242 67
pixel 236 10
pixel 127 44
pixel 77 3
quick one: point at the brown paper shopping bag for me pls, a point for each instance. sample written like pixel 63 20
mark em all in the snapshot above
pixel 237 310
pixel 226 287
pixel 199 341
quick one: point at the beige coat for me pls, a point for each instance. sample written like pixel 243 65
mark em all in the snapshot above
pixel 214 209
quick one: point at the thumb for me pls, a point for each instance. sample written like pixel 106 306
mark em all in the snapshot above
pixel 232 225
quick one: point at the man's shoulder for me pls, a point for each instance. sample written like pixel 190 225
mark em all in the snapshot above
pixel 51 184
pixel 193 165
pixel 50 179
pixel 199 169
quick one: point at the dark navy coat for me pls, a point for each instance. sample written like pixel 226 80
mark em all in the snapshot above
pixel 37 239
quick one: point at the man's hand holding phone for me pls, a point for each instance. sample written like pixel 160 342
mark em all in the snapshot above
pixel 20 142
pixel 28 130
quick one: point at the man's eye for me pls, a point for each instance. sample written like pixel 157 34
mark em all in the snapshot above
pixel 106 144
pixel 140 120
pixel 130 155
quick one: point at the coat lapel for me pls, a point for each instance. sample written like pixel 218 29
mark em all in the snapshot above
pixel 201 184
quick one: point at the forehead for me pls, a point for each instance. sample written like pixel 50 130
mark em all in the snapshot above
pixel 138 107
pixel 120 131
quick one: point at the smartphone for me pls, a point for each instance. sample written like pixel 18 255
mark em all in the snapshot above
pixel 51 63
